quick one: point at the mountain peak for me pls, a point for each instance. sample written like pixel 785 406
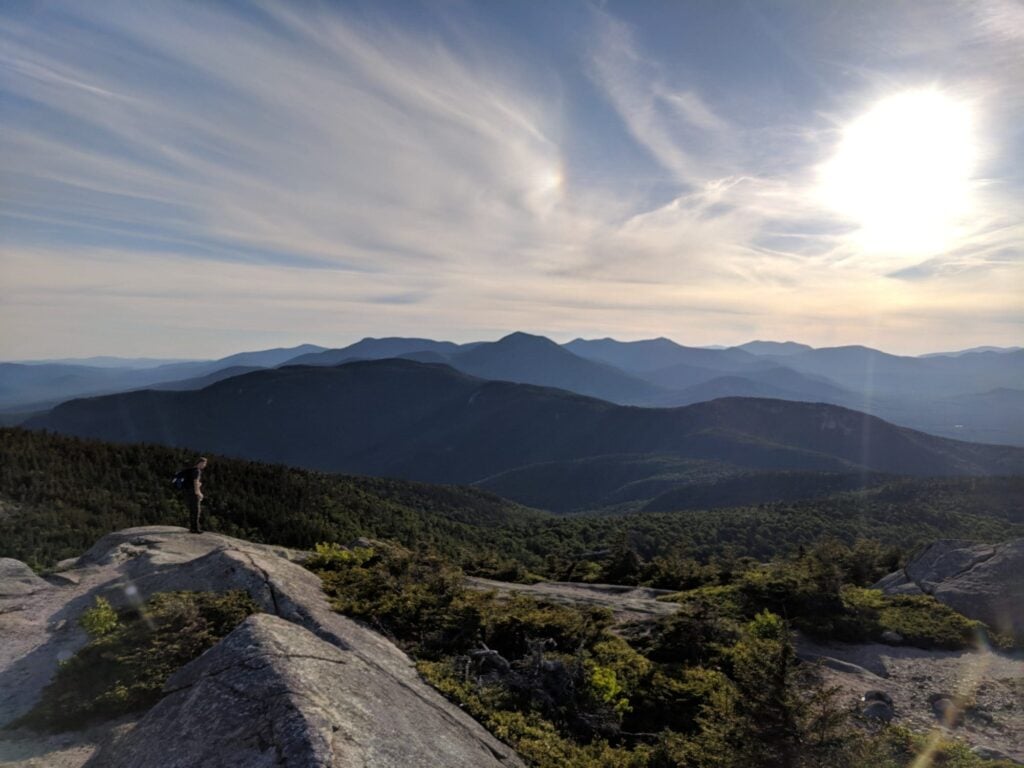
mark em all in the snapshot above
pixel 521 337
pixel 514 348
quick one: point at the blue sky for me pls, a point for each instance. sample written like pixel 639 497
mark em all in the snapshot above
pixel 193 179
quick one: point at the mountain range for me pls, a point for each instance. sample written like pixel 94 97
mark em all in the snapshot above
pixel 972 395
pixel 37 386
pixel 430 422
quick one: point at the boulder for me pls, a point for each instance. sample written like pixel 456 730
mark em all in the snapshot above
pixel 898 583
pixel 945 560
pixel 272 693
pixel 877 705
pixel 877 710
pixel 876 695
pixel 981 581
pixel 17 579
pixel 945 710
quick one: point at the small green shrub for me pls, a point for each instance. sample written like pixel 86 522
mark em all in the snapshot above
pixel 100 620
pixel 921 620
pixel 606 688
pixel 331 556
pixel 925 622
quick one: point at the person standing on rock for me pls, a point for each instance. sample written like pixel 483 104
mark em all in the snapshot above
pixel 193 489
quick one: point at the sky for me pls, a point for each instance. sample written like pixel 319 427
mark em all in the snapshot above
pixel 193 179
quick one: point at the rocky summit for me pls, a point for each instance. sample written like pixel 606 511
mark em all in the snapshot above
pixel 295 685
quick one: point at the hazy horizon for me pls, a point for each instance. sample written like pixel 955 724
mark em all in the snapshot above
pixel 194 180
pixel 469 339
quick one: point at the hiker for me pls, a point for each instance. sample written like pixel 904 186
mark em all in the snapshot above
pixel 193 490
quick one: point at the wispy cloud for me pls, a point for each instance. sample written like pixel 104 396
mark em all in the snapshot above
pixel 672 123
pixel 307 173
pixel 276 140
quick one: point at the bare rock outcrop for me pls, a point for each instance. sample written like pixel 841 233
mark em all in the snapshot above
pixel 386 715
pixel 626 603
pixel 971 695
pixel 981 581
pixel 18 580
pixel 272 693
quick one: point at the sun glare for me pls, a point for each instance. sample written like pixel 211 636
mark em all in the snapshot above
pixel 903 172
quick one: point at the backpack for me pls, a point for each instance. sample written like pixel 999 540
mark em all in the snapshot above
pixel 179 479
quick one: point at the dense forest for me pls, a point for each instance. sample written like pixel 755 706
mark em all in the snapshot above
pixel 59 494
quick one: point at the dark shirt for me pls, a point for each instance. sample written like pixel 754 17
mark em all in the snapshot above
pixel 191 475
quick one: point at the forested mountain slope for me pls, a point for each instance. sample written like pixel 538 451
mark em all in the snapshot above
pixel 428 422
pixel 58 494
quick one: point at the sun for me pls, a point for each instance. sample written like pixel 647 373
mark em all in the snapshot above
pixel 903 173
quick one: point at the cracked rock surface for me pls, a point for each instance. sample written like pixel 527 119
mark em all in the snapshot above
pixel 274 694
pixel 981 581
pixel 299 685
